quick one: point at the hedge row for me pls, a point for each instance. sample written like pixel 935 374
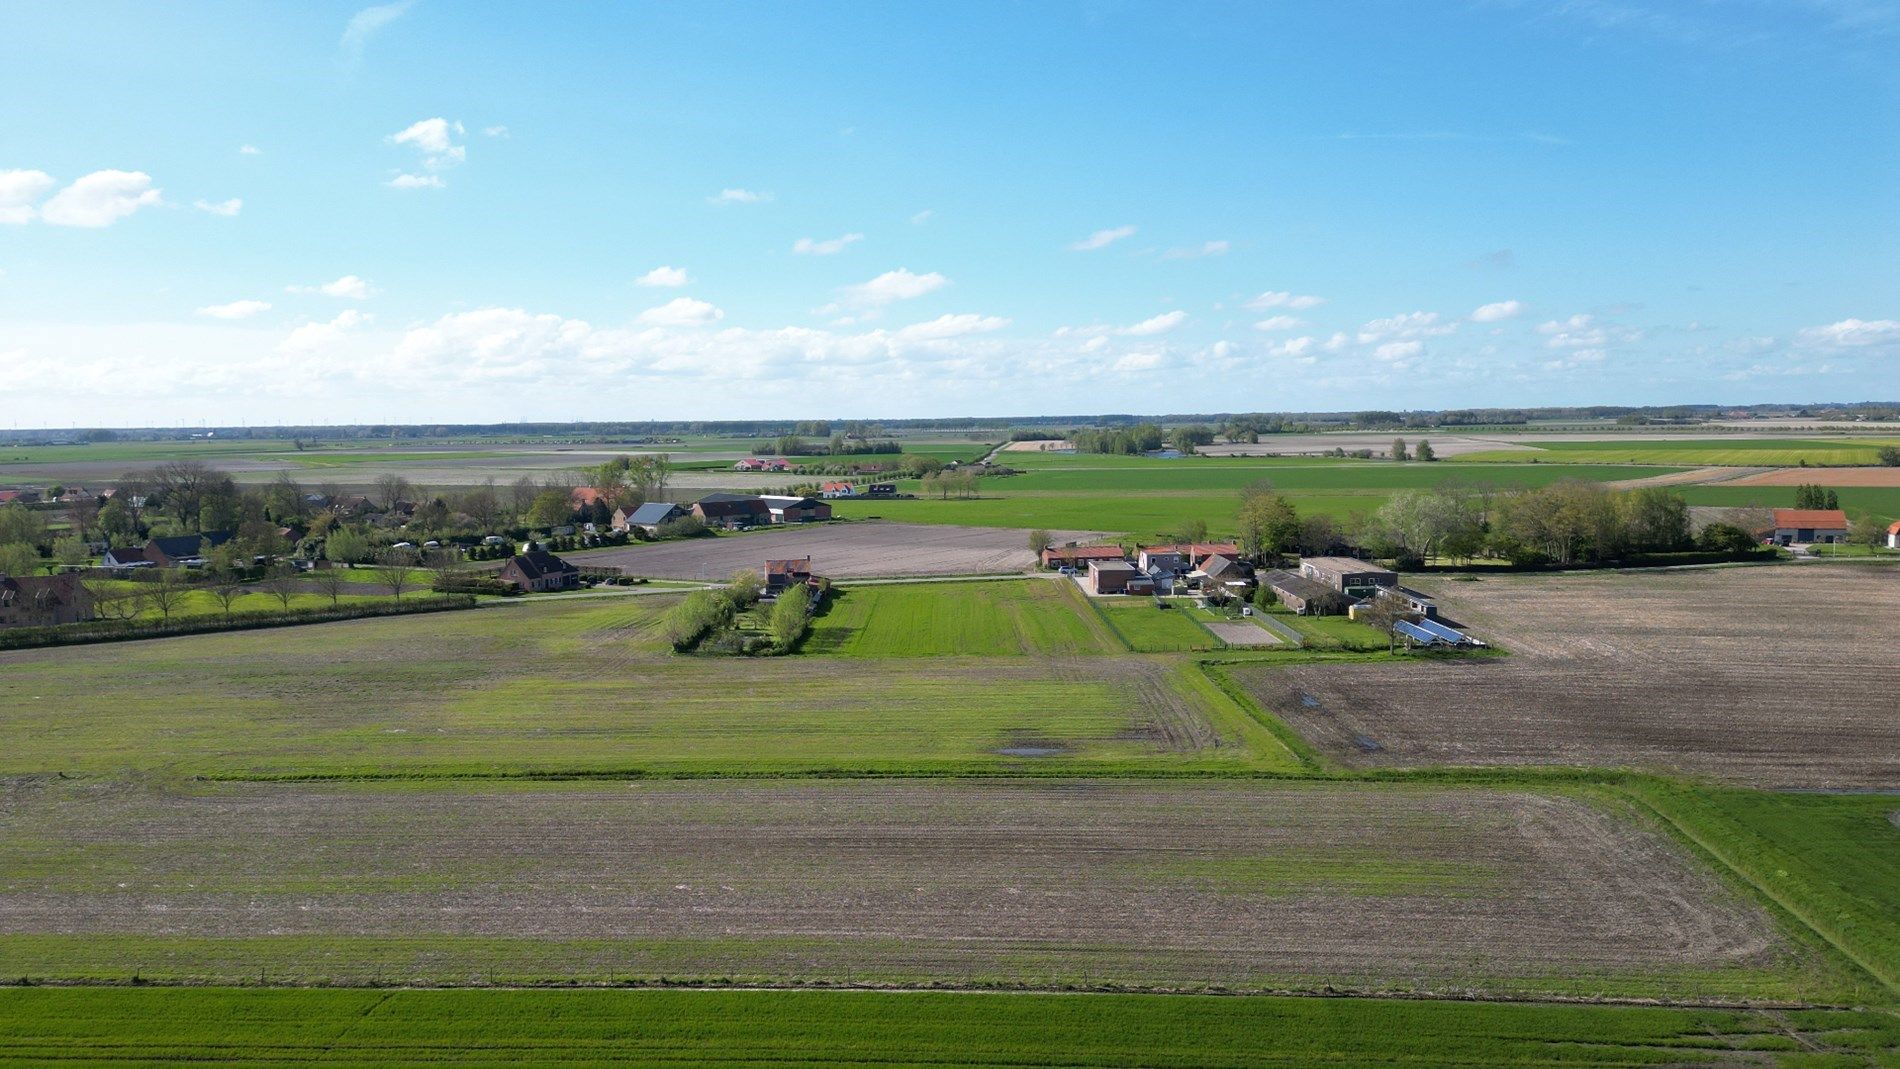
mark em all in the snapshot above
pixel 1639 560
pixel 21 638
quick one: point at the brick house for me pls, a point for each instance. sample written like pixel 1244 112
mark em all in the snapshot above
pixel 171 551
pixel 1111 576
pixel 732 510
pixel 43 601
pixel 539 570
pixel 782 575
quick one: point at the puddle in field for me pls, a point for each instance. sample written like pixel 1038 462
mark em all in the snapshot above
pixel 1367 744
pixel 1309 701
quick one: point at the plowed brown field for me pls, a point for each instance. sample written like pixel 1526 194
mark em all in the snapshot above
pixel 1780 676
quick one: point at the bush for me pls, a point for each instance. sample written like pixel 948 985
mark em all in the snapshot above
pixel 703 612
pixel 684 527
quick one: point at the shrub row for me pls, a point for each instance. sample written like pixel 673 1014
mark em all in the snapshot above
pixel 21 638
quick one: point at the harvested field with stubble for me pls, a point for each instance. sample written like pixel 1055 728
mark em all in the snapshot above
pixel 866 549
pixel 1778 676
pixel 1144 884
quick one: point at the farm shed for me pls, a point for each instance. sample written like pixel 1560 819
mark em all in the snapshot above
pixel 1808 525
pixel 732 510
pixel 1417 603
pixel 173 550
pixel 647 517
pixel 1111 576
pixel 1306 597
pixel 1354 578
pixel 1078 556
pixel 1221 570
pixel 539 570
pixel 1893 535
pixel 795 509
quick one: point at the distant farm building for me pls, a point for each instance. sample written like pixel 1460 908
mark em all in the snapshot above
pixel 837 490
pixel 782 575
pixel 647 517
pixel 1306 597
pixel 1183 557
pixel 795 509
pixel 1078 557
pixel 1806 526
pixel 766 464
pixel 1893 535
pixel 1113 576
pixel 171 551
pixel 732 510
pixel 43 601
pixel 881 490
pixel 1353 578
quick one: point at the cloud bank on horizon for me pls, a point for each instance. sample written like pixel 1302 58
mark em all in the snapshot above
pixel 1334 229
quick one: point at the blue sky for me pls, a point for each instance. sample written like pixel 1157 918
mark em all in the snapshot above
pixel 434 211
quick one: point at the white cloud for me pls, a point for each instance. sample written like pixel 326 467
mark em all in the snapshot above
pixel 682 312
pixel 366 23
pixel 1283 299
pixel 436 140
pixel 664 277
pixel 495 131
pixel 1580 321
pixel 1854 333
pixel 923 217
pixel 1102 239
pixel 1497 311
pixel 250 150
pixel 235 310
pixel 220 207
pixel 416 181
pixel 1407 325
pixel 1133 362
pixel 952 326
pixel 891 286
pixel 1277 323
pixel 739 196
pixel 1160 324
pixel 316 337
pixel 100 199
pixel 1299 349
pixel 1206 248
pixel 349 287
pixel 827 247
pixel 1395 351
pixel 19 192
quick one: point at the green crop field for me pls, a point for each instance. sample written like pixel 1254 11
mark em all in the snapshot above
pixel 1148 628
pixel 1880 500
pixel 1748 452
pixel 584 686
pixel 1011 619
pixel 255 1029
pixel 1222 473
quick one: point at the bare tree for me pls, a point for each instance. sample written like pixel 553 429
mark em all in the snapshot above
pixel 226 590
pixel 521 495
pixel 395 569
pixel 483 506
pixel 119 603
pixel 281 582
pixel 85 513
pixel 166 593
pixel 391 488
pixel 1385 612
pixel 331 581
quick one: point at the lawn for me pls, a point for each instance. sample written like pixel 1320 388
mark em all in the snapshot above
pixel 1148 628
pixel 1748 452
pixel 585 686
pixel 1015 618
pixel 251 1029
pixel 1332 632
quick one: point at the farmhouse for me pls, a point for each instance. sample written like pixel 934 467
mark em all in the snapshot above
pixel 1113 576
pixel 1807 526
pixel 1222 570
pixel 1893 535
pixel 539 570
pixel 1078 556
pixel 732 510
pixel 43 601
pixel 23 497
pixel 881 490
pixel 647 517
pixel 1306 597
pixel 1183 557
pixel 1353 578
pixel 768 464
pixel 795 509
pixel 782 575
pixel 124 557
pixel 172 551
pixel 835 489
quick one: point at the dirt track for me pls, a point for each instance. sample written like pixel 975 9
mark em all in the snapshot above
pixel 1779 676
pixel 888 881
pixel 856 550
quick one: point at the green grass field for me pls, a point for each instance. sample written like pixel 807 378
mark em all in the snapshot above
pixel 1007 619
pixel 250 1028
pixel 1314 475
pixel 1880 500
pixel 585 685
pixel 258 602
pixel 1746 452
pixel 1332 632
pixel 1149 629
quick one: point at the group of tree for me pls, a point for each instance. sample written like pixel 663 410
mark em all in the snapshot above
pixel 1564 523
pixel 838 445
pixel 944 485
pixel 1816 497
pixel 1424 454
pixel 1126 441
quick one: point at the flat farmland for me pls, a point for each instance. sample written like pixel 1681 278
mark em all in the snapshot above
pixel 1779 676
pixel 839 551
pixel 1010 618
pixel 1887 477
pixel 1696 452
pixel 586 686
pixel 1174 885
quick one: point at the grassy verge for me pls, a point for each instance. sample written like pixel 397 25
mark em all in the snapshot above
pixel 243 1028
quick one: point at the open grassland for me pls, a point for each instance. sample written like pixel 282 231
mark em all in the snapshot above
pixel 1879 500
pixel 1746 452
pixel 586 686
pixel 1830 860
pixel 257 601
pixel 1012 618
pixel 1149 628
pixel 250 1029
pixel 1176 885
pixel 837 551
pixel 1775 676
pixel 1222 473
pixel 1152 515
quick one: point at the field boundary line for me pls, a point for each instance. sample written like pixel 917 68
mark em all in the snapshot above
pixel 1303 752
pixel 1639 798
pixel 1098 623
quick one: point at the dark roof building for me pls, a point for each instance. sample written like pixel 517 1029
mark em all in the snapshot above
pixel 537 569
pixel 781 575
pixel 647 517
pixel 732 510
pixel 1348 575
pixel 1079 556
pixel 169 550
pixel 1307 597
pixel 43 601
